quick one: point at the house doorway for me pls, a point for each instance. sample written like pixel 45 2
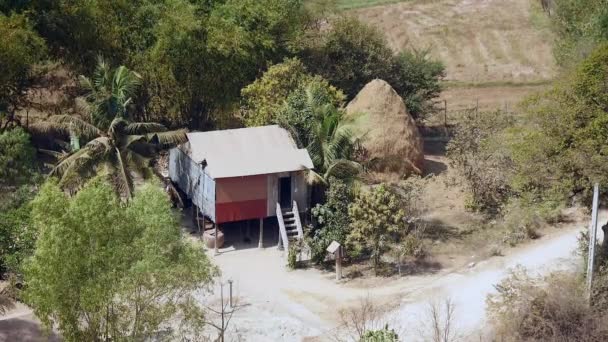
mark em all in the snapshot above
pixel 285 192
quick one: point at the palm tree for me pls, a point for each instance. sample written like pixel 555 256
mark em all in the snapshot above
pixel 109 92
pixel 124 149
pixel 315 122
pixel 332 148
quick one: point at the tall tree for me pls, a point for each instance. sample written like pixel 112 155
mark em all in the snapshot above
pixel 109 92
pixel 124 149
pixel 105 271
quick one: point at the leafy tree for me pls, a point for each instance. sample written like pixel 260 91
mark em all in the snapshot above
pixel 106 271
pixel 17 158
pixel 21 48
pixel 331 221
pixel 580 26
pixel 125 148
pixel 559 148
pixel 310 114
pixel 351 54
pixel 109 92
pixel 376 217
pixel 416 78
pixel 264 98
pixel 17 234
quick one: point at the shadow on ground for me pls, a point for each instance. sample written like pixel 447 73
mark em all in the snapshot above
pixel 438 230
pixel 434 167
pixel 17 329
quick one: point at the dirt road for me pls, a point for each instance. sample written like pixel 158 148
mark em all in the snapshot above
pixel 292 305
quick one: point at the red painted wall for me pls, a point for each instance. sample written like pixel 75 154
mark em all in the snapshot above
pixel 240 198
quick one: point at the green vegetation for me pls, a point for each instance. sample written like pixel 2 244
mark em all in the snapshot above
pixel 17 158
pixel 376 218
pixel 331 220
pixel 580 25
pixel 125 148
pixel 351 54
pixel 105 270
pixel 380 335
pixel 109 93
pixel 22 48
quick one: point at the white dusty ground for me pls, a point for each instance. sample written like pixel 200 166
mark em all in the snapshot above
pixel 282 305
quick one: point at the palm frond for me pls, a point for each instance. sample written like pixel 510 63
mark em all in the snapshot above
pixel 121 178
pixel 314 178
pixel 144 128
pixel 82 128
pixel 139 164
pixel 343 169
pixel 46 128
pixel 94 149
pixel 168 139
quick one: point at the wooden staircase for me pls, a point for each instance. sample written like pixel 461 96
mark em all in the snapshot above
pixel 290 226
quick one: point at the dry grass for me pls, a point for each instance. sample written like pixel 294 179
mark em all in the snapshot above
pixel 352 4
pixel 478 40
pixel 495 51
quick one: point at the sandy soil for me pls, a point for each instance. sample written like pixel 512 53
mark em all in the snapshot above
pixel 296 305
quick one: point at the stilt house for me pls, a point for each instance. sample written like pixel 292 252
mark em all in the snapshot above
pixel 243 174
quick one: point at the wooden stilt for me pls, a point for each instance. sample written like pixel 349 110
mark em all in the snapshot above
pixel 215 242
pixel 261 242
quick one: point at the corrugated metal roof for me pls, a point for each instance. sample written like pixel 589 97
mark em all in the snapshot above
pixel 247 151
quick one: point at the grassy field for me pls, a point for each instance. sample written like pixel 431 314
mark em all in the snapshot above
pixel 353 4
pixel 496 52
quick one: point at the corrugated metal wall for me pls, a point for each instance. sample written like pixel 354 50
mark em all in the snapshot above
pixel 190 178
pixel 241 198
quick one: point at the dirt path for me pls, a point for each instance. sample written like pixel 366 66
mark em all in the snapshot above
pixel 292 305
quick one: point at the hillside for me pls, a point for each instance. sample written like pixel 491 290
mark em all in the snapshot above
pixel 483 43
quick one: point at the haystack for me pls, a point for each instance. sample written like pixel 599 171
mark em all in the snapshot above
pixel 378 116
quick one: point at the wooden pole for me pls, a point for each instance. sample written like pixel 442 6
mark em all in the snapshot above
pixel 339 263
pixel 261 242
pixel 215 240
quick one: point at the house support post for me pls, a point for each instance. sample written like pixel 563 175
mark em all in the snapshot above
pixel 261 242
pixel 215 240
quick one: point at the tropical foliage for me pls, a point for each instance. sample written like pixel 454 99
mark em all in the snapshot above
pixel 377 218
pixel 17 158
pixel 17 234
pixel 21 49
pixel 331 220
pixel 125 149
pixel 265 98
pixel 109 92
pixel 107 271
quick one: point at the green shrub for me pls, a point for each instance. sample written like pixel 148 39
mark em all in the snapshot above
pixel 331 220
pixel 381 335
pixel 17 158
pixel 376 220
pixel 17 233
